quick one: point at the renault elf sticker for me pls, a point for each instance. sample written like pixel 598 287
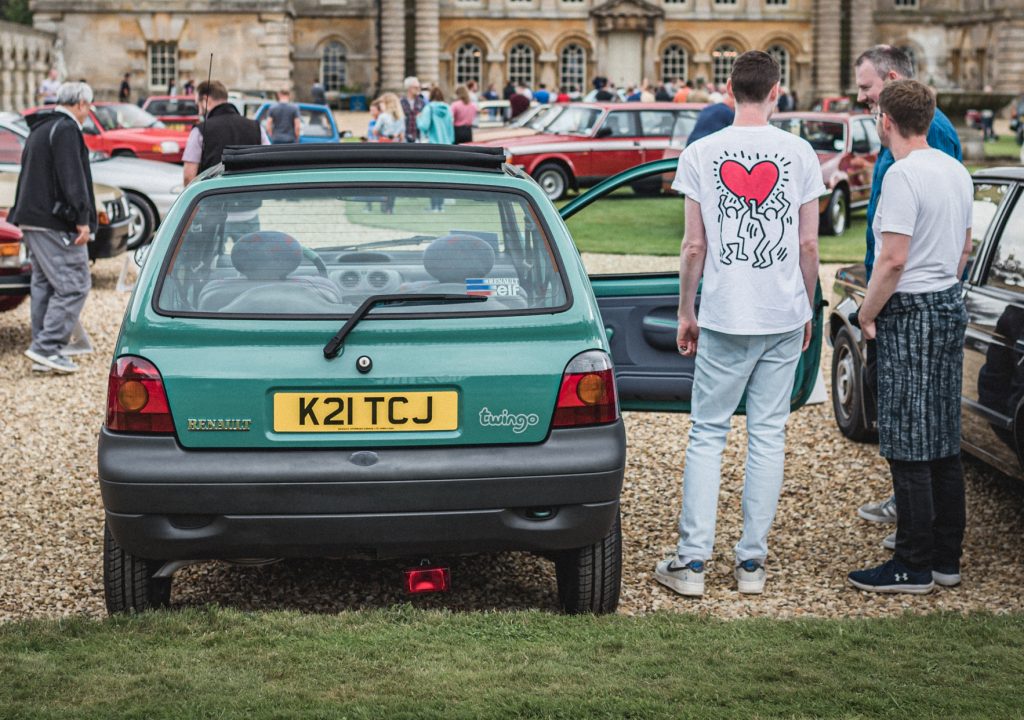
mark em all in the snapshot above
pixel 493 287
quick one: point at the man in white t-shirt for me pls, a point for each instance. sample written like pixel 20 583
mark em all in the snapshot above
pixel 914 310
pixel 752 233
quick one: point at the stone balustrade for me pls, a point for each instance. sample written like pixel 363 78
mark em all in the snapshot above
pixel 26 56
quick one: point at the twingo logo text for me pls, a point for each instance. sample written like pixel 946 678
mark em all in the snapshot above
pixel 518 422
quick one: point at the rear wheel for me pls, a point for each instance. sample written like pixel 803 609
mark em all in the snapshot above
pixel 141 220
pixel 589 577
pixel 128 582
pixel 647 188
pixel 834 219
pixel 848 390
pixel 553 180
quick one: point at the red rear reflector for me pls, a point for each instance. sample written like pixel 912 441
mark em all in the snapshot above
pixel 136 400
pixel 427 580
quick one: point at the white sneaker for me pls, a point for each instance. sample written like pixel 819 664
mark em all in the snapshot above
pixel 889 541
pixel 879 512
pixel 684 579
pixel 750 577
pixel 55 362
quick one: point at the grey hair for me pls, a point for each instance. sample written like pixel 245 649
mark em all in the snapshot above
pixel 886 59
pixel 410 81
pixel 72 93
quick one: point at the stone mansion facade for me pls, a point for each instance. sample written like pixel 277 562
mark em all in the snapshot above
pixel 371 45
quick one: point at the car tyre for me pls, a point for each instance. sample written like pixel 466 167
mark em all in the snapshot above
pixel 128 582
pixel 553 180
pixel 848 390
pixel 837 215
pixel 141 220
pixel 647 188
pixel 589 577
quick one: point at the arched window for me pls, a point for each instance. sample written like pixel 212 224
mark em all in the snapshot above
pixel 520 65
pixel 673 64
pixel 722 59
pixel 332 66
pixel 467 63
pixel 573 69
pixel 781 56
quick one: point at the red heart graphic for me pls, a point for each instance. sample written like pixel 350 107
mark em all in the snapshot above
pixel 754 184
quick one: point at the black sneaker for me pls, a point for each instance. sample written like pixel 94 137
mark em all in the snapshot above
pixel 893 577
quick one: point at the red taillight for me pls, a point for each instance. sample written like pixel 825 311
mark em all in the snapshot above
pixel 427 579
pixel 587 395
pixel 136 401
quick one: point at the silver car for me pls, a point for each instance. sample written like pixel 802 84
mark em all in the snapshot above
pixel 149 186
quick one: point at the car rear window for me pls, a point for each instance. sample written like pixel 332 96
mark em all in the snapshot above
pixel 173 107
pixel 324 250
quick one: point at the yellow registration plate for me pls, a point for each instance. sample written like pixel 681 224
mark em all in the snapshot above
pixel 366 412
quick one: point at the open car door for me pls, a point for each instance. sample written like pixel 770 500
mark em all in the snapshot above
pixel 639 314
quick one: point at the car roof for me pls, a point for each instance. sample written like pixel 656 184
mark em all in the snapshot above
pixel 171 97
pixel 1007 172
pixel 823 116
pixel 260 158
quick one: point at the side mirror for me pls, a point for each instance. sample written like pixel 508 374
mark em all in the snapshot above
pixel 604 132
pixel 141 253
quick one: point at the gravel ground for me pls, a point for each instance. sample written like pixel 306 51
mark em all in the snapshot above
pixel 51 514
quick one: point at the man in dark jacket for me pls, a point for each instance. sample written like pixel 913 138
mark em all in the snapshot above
pixel 56 210
pixel 221 126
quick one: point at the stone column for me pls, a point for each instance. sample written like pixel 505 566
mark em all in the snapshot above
pixel 862 28
pixel 428 41
pixel 6 72
pixel 827 51
pixel 392 45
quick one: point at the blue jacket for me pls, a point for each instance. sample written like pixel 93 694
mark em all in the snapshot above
pixel 941 136
pixel 435 123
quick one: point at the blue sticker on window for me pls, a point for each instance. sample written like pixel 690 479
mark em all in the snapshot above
pixel 493 287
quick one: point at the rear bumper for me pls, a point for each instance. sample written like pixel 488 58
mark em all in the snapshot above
pixel 166 502
pixel 111 240
pixel 16 281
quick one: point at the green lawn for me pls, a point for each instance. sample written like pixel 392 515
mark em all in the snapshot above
pixel 406 663
pixel 1005 147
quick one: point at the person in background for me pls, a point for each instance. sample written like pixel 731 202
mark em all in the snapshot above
pixel 221 126
pixel 391 121
pixel 756 308
pixel 491 93
pixel 874 68
pixel 190 87
pixel 712 119
pixel 412 104
pixel 786 101
pixel 542 95
pixel 715 94
pixel 47 94
pixel 683 93
pixel 699 94
pixel 915 308
pixel 646 94
pixel 665 92
pixel 632 94
pixel 464 112
pixel 124 93
pixel 172 87
pixel 509 91
pixel 284 123
pixel 436 126
pixel 319 93
pixel 517 104
pixel 371 127
pixel 55 208
pixel 474 91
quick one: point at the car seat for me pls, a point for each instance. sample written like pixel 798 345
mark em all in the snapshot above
pixel 453 259
pixel 265 259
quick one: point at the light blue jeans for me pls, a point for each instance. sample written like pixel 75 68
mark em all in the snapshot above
pixel 726 365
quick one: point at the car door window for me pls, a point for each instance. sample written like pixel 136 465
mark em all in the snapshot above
pixel 861 145
pixel 315 123
pixel 1007 269
pixel 872 131
pixel 11 145
pixel 622 124
pixel 657 122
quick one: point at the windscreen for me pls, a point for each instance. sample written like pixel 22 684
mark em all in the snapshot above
pixel 183 108
pixel 574 121
pixel 323 251
pixel 825 136
pixel 124 115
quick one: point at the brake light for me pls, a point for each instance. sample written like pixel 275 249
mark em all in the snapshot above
pixel 587 395
pixel 103 218
pixel 425 579
pixel 136 400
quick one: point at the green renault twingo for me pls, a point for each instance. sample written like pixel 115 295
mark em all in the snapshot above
pixel 391 350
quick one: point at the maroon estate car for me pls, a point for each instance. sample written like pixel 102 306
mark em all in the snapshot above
pixel 15 270
pixel 588 142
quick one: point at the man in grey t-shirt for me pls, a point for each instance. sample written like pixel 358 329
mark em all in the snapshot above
pixel 284 124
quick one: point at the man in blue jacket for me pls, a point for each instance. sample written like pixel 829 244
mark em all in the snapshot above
pixel 874 68
pixel 56 210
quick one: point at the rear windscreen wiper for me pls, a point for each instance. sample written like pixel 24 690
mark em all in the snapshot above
pixel 333 346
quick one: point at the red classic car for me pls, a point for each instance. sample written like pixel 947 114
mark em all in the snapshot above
pixel 177 112
pixel 15 269
pixel 125 129
pixel 847 146
pixel 588 142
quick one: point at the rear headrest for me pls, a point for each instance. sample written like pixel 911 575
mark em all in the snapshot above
pixel 266 255
pixel 453 258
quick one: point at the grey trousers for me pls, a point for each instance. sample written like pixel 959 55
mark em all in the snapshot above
pixel 60 284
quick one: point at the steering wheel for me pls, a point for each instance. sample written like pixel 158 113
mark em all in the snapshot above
pixel 317 261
